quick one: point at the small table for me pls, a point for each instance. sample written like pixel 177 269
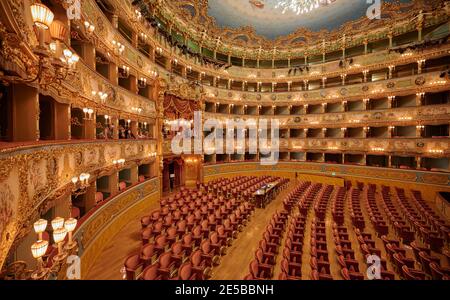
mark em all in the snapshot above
pixel 265 194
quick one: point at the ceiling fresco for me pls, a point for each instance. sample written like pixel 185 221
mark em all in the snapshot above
pixel 271 23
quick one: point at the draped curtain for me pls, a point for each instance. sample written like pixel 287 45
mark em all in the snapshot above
pixel 175 107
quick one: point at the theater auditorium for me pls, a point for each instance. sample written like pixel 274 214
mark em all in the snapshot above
pixel 208 140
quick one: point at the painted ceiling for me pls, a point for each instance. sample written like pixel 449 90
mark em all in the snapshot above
pixel 270 22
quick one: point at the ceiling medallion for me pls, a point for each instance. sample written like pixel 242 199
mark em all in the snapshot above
pixel 300 7
pixel 390 85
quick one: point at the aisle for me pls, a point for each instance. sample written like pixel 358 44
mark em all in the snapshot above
pixel 234 264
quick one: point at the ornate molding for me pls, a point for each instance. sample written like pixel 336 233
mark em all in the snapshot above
pixel 32 178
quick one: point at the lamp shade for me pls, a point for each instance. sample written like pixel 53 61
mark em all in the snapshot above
pixel 40 225
pixel 39 248
pixel 42 15
pixel 57 223
pixel 58 30
pixel 59 235
pixel 70 224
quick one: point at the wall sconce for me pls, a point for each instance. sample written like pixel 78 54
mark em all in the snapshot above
pixel 38 250
pixel 153 73
pixel 119 163
pixel 61 228
pixel 159 50
pixel 80 184
pixel 153 154
pixel 124 72
pixel 42 19
pixel 89 27
pixel 128 123
pixel 118 47
pixel 39 227
pixel 377 149
pixel 101 95
pixel 145 125
pixel 138 15
pixel 143 37
pixel 88 112
pixel 107 119
pixel 420 127
pixel 142 83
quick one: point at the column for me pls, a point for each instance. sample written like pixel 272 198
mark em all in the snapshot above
pixel 134 174
pixel 114 183
pixel 88 52
pixel 62 121
pixel 115 124
pixel 25 107
pixel 390 161
pixel 89 201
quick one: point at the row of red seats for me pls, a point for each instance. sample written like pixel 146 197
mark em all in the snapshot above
pixel 337 206
pixel 355 209
pixel 320 264
pixel 395 218
pixel 291 263
pixel 308 198
pixel 261 268
pixel 433 219
pixel 419 223
pixel 377 219
pixel 368 249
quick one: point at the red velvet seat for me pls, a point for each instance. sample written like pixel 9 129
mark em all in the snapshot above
pixel 412 274
pixel 349 275
pixel 167 266
pixel 132 264
pixel 147 255
pixel 151 273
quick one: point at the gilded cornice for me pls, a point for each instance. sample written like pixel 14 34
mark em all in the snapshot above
pixel 408 85
pixel 410 116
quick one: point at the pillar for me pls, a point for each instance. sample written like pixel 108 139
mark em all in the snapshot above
pixel 90 196
pixel 134 174
pixel 25 117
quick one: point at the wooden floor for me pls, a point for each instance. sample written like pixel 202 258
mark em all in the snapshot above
pixel 127 241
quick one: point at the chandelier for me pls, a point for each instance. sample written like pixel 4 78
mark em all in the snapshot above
pixel 301 6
